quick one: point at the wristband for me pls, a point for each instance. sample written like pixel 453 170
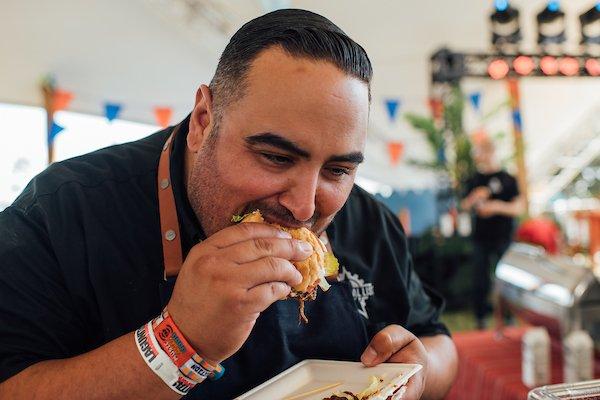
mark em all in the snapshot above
pixel 171 340
pixel 174 343
pixel 159 362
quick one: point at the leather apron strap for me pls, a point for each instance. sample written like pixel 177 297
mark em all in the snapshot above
pixel 169 224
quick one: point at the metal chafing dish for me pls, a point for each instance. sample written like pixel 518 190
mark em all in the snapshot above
pixel 550 291
pixel 588 390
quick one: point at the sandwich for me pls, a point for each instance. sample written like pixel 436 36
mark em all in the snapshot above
pixel 314 269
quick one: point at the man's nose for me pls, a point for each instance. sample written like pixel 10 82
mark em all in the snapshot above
pixel 300 196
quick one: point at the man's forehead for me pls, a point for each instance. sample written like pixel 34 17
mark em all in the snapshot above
pixel 275 68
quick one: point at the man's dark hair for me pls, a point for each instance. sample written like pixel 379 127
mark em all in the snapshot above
pixel 300 33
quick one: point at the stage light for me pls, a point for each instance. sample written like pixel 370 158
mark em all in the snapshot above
pixel 568 66
pixel 590 30
pixel 551 27
pixel 523 65
pixel 592 66
pixel 498 69
pixel 549 65
pixel 506 32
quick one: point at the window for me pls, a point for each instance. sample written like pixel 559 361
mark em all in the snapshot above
pixel 24 151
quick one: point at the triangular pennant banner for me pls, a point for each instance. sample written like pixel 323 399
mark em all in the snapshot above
pixel 441 155
pixel 437 108
pixel 163 115
pixel 61 99
pixel 517 119
pixel 392 106
pixel 475 99
pixel 395 150
pixel 55 129
pixel 111 110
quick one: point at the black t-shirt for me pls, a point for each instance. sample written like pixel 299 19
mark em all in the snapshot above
pixel 81 264
pixel 502 186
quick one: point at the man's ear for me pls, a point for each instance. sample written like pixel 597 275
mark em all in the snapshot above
pixel 201 120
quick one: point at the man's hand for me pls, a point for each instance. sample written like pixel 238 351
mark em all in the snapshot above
pixel 480 193
pixel 475 197
pixel 396 344
pixel 487 209
pixel 228 280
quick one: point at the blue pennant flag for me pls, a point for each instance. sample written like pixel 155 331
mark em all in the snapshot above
pixel 517 119
pixel 111 111
pixel 54 131
pixel 475 99
pixel 392 106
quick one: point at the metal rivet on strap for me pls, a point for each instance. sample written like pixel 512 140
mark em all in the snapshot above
pixel 164 183
pixel 170 235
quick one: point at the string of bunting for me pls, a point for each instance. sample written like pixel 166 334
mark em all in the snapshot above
pixel 58 99
pixel 395 148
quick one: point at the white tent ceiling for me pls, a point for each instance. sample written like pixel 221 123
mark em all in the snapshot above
pixel 147 53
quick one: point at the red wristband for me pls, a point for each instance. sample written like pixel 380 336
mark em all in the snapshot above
pixel 181 353
pixel 171 339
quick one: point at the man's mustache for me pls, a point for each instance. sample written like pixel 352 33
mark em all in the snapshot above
pixel 280 214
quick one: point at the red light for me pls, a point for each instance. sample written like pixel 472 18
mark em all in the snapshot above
pixel 568 66
pixel 523 65
pixel 498 69
pixel 549 65
pixel 592 66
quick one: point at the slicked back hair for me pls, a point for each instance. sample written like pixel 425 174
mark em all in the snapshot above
pixel 300 33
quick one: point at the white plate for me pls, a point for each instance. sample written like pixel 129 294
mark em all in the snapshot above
pixel 311 374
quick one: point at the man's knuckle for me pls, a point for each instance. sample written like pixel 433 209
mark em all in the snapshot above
pixel 237 303
pixel 263 245
pixel 244 230
pixel 277 289
pixel 273 264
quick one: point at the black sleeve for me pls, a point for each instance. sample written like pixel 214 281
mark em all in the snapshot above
pixel 401 297
pixel 426 305
pixel 36 318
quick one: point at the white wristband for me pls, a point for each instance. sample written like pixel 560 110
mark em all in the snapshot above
pixel 159 362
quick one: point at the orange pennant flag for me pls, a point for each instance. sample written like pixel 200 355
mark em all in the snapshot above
pixel 395 149
pixel 436 107
pixel 163 115
pixel 61 99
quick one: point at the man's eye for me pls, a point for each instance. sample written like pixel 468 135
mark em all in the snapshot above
pixel 339 171
pixel 277 159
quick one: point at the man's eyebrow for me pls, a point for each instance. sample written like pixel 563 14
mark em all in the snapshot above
pixel 275 140
pixel 355 158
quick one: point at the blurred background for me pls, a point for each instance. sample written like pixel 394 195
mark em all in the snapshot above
pixel 76 76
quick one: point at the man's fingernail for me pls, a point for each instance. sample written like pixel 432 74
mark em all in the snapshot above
pixel 284 235
pixel 305 246
pixel 369 356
